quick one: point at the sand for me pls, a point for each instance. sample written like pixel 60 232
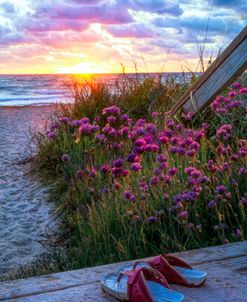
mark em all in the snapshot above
pixel 26 213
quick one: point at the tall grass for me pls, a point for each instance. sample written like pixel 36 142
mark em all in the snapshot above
pixel 131 182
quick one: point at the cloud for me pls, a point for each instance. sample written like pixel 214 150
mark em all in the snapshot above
pixel 45 25
pixel 239 6
pixel 216 25
pixel 132 31
pixel 114 31
pixel 86 2
pixel 107 13
pixel 154 6
pixel 8 7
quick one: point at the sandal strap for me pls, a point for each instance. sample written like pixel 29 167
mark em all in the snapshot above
pixel 169 271
pixel 138 290
pixel 176 261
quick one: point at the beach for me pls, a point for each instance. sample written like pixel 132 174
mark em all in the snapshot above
pixel 26 213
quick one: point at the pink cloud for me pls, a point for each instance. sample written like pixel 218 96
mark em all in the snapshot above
pixel 105 14
pixel 47 25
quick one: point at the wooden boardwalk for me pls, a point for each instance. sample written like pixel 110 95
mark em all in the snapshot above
pixel 226 266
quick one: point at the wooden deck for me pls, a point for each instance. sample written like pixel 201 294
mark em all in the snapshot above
pixel 226 267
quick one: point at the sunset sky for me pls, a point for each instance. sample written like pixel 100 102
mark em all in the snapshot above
pixel 97 36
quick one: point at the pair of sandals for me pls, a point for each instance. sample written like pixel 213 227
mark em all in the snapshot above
pixel 148 281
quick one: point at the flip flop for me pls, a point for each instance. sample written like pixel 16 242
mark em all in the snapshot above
pixel 174 269
pixel 140 285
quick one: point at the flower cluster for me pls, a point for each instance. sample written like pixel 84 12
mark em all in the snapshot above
pixel 172 171
pixel 223 105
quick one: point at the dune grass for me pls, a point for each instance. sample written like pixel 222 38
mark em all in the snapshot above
pixel 131 181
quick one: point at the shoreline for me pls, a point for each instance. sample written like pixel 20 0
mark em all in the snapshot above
pixel 28 106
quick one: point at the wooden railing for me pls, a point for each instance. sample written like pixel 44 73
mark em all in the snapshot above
pixel 231 63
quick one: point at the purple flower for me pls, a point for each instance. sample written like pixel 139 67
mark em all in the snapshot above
pixel 151 148
pixel 64 119
pixel 242 171
pixel 243 201
pixel 166 179
pixel 52 134
pixel 79 174
pixel 189 196
pixel 140 142
pixel 54 126
pixel 237 85
pixel 124 117
pixel 131 158
pixel 172 171
pixel 226 167
pixel 232 94
pixel 238 233
pixel 116 172
pixel 85 129
pixel 136 167
pixel 111 110
pixel 118 163
pixel 111 119
pixel 224 131
pixel 188 116
pixel 154 180
pixel 221 189
pixel 163 139
pixel 157 171
pixel 172 150
pixel 212 204
pixel 170 123
pixel 204 179
pixel 116 146
pixel 242 151
pixel 152 219
pixel 177 198
pixel 234 157
pixel 84 120
pixel 125 172
pixel 183 214
pixel 132 198
pixel 243 90
pixel 92 172
pixel 143 186
pixel 127 194
pixel 65 157
pixel 161 158
pixel 155 114
pixel 148 139
pixel 100 138
pixel 105 168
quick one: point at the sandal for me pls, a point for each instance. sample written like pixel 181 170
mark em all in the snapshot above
pixel 140 285
pixel 174 269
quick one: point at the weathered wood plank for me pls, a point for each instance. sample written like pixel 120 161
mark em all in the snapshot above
pixel 85 282
pixel 225 284
pixel 230 64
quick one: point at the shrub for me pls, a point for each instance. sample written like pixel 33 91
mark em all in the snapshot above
pixel 135 182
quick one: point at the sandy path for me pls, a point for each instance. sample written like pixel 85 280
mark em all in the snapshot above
pixel 25 213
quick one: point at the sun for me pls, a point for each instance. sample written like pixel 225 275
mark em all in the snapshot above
pixel 84 68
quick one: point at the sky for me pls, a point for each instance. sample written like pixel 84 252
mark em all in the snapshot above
pixel 102 36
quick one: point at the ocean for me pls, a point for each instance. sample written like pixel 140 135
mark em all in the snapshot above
pixel 25 90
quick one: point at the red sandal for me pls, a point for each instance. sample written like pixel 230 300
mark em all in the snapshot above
pixel 140 285
pixel 174 269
